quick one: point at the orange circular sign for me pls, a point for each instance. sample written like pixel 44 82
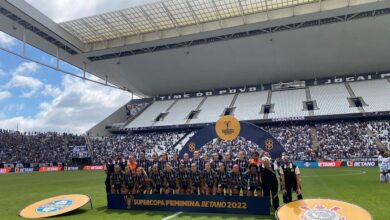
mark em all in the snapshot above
pixel 321 209
pixel 227 128
pixel 54 206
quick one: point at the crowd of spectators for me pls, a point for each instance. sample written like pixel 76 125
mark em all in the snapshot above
pixel 335 140
pixel 36 147
pixel 119 146
pixel 133 109
pixel 381 130
pixel 345 140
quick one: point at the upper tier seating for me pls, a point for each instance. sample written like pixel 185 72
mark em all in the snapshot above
pixel 375 93
pixel 331 99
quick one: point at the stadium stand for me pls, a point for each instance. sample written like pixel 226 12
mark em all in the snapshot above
pixel 375 93
pixel 331 99
pixel 337 140
pixel 212 108
pixel 381 130
pixel 147 118
pixel 288 103
pixel 248 105
pixel 179 112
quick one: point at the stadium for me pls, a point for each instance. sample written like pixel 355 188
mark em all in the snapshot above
pixel 239 109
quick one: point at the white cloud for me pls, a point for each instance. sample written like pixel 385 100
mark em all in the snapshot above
pixel 26 67
pixel 4 95
pixel 64 10
pixel 14 107
pixel 51 91
pixel 7 41
pixel 32 84
pixel 76 108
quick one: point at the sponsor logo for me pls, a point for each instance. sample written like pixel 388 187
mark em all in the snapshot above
pixel 99 167
pixel 54 206
pixel 307 164
pixel 269 144
pixel 321 212
pixel 50 169
pixel 321 209
pixel 5 170
pixel 227 128
pixel 26 170
pixel 364 164
pixel 191 147
pixel 330 164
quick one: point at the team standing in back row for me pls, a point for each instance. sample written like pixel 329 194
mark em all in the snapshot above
pixel 202 176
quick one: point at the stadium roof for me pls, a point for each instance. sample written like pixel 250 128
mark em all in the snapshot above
pixel 167 14
pixel 163 48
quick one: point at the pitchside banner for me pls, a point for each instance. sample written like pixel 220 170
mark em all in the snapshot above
pixel 192 203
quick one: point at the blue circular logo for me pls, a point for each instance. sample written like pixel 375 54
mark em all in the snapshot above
pixel 54 206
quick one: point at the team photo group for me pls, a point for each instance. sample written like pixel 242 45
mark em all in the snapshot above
pixel 256 175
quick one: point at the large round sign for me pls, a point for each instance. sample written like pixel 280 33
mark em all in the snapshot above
pixel 227 128
pixel 321 209
pixel 54 206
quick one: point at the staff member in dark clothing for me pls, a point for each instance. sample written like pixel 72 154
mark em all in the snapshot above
pixel 269 181
pixel 291 180
pixel 109 171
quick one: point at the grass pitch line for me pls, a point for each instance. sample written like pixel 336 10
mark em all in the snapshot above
pixel 172 216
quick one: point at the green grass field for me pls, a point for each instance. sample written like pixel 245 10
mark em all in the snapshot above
pixel 356 185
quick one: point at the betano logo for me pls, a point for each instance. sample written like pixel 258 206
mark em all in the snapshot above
pixel 321 209
pixel 227 128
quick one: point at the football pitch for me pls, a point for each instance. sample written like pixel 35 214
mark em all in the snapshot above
pixel 355 185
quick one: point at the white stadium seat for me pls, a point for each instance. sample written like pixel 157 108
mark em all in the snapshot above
pixel 331 99
pixel 212 109
pixel 146 118
pixel 288 103
pixel 248 105
pixel 178 113
pixel 375 93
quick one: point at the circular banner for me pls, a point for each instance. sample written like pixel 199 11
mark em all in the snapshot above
pixel 321 209
pixel 54 206
pixel 227 128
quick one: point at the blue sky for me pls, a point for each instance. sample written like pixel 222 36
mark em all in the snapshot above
pixel 36 98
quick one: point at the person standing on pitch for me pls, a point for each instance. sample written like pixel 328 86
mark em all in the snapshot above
pixel 269 181
pixel 382 168
pixel 385 166
pixel 291 180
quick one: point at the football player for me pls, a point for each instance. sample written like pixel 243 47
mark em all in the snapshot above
pixel 209 178
pixel 253 178
pixel 195 180
pixel 237 181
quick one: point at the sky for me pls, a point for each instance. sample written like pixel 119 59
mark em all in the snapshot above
pixel 37 98
pixel 65 10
